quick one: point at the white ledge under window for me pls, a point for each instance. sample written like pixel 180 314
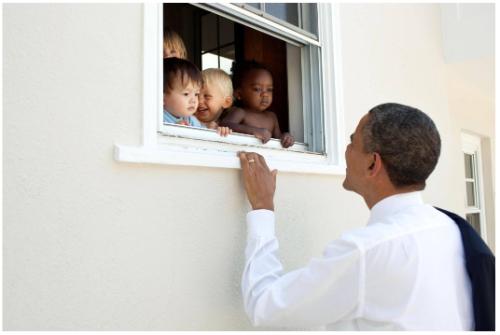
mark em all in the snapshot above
pixel 183 145
pixel 209 149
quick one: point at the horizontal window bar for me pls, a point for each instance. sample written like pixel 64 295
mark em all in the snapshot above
pixel 258 22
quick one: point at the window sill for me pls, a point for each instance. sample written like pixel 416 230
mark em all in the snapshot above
pixel 177 150
pixel 187 132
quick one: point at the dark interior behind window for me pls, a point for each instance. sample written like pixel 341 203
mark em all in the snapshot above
pixel 206 34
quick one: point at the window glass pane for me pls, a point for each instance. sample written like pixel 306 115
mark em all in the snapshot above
pixel 209 60
pixel 254 5
pixel 227 58
pixel 294 75
pixel 226 31
pixel 208 32
pixel 471 196
pixel 474 220
pixel 309 15
pixel 288 12
pixel 468 165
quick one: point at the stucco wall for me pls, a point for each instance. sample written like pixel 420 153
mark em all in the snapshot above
pixel 471 92
pixel 94 244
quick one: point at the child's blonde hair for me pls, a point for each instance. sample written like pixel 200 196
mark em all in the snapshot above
pixel 172 40
pixel 219 78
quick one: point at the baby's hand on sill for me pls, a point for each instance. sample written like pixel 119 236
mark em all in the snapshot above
pixel 287 140
pixel 262 134
pixel 183 122
pixel 224 131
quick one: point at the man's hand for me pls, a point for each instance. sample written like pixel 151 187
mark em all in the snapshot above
pixel 260 182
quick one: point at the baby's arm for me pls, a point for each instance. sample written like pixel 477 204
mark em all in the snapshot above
pixel 276 126
pixel 234 121
pixel 287 139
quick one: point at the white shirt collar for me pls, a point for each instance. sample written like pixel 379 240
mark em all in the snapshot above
pixel 393 204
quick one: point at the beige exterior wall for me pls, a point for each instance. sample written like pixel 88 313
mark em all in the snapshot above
pixel 94 244
pixel 471 92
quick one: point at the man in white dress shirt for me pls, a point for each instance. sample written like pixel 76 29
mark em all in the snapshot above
pixel 404 270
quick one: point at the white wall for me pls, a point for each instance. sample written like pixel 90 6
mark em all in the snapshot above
pixel 93 244
pixel 468 30
pixel 469 50
pixel 471 87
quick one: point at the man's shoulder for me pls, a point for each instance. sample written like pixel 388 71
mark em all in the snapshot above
pixel 365 237
pixel 399 224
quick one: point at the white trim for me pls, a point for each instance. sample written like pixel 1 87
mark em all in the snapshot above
pixel 329 30
pixel 176 130
pixel 213 151
pixel 471 144
pixel 153 65
pixel 247 17
pixel 182 153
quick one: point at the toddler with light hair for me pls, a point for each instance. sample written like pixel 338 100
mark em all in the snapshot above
pixel 173 46
pixel 216 95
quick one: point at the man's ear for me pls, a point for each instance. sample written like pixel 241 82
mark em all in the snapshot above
pixel 375 165
pixel 228 101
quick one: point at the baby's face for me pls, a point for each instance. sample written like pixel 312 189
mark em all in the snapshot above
pixel 182 101
pixel 211 103
pixel 256 91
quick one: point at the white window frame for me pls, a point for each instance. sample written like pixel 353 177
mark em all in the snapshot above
pixel 471 144
pixel 214 151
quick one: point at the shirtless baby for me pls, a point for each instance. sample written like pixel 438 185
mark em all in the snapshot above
pixel 253 89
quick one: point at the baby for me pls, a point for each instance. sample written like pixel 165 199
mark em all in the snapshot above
pixel 173 46
pixel 182 82
pixel 216 95
pixel 253 88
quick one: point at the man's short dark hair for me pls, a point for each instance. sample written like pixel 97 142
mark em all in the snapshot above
pixel 407 140
pixel 181 72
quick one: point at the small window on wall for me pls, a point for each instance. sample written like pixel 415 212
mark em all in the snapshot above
pixel 286 42
pixel 474 203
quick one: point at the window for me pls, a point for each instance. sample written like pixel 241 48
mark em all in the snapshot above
pixel 217 41
pixel 474 198
pixel 300 38
pixel 303 16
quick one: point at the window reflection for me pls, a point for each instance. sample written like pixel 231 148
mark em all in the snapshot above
pixel 468 165
pixel 288 12
pixel 300 15
pixel 217 42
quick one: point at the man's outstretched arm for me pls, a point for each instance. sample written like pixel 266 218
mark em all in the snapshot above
pixel 327 290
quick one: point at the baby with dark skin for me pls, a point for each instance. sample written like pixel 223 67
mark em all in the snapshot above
pixel 253 89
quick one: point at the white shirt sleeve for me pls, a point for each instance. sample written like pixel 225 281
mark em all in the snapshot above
pixel 329 289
